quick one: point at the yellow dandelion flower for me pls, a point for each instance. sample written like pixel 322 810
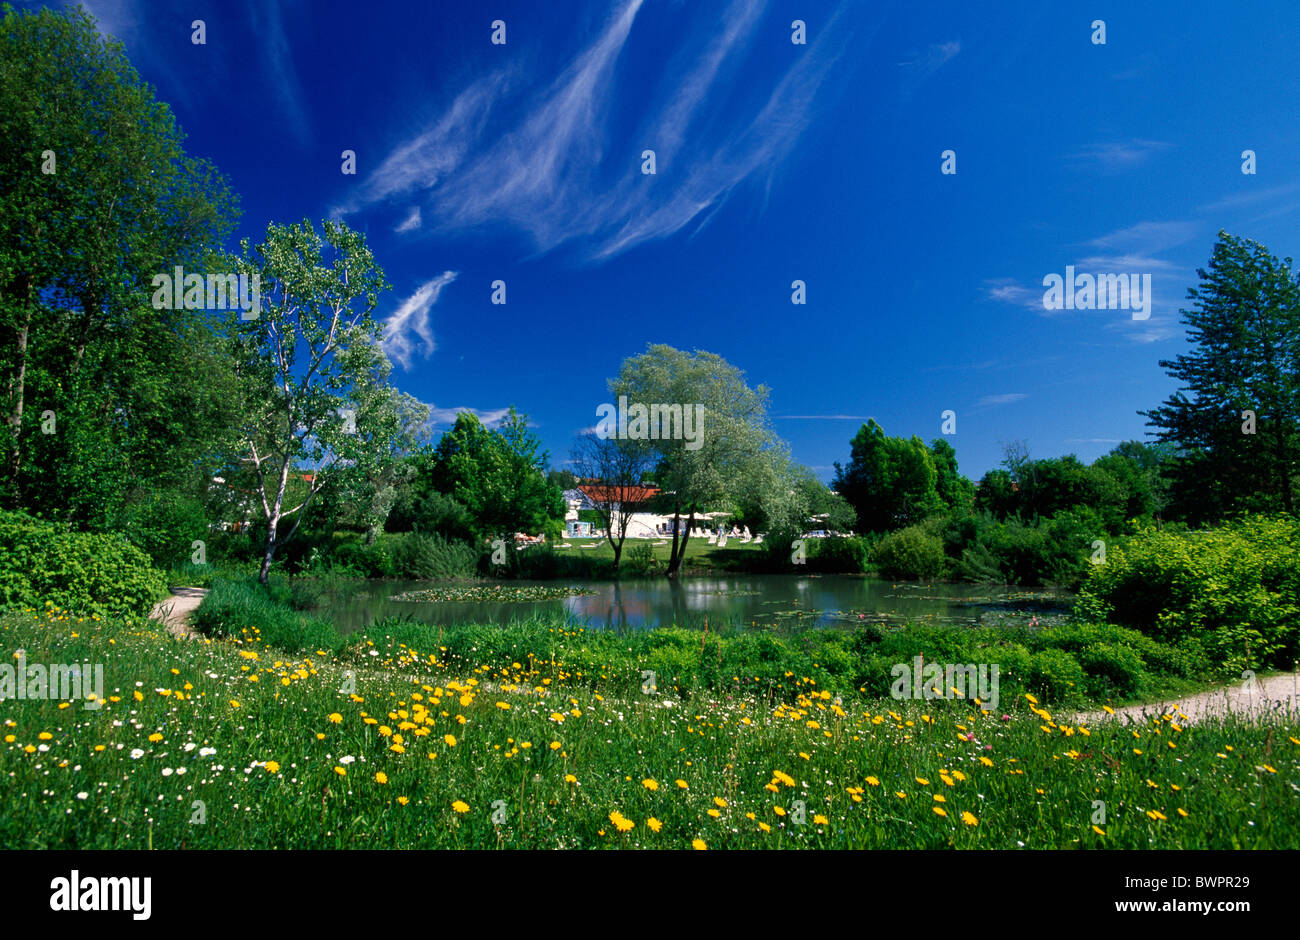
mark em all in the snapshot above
pixel 653 824
pixel 820 820
pixel 699 845
pixel 381 777
pixel 449 739
pixel 460 806
pixel 682 783
pixel 969 818
pixel 650 785
pixel 939 810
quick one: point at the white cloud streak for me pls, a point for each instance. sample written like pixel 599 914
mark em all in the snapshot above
pixel 412 316
pixel 554 175
pixel 489 416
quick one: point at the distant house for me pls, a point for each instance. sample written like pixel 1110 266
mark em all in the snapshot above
pixel 243 501
pixel 640 525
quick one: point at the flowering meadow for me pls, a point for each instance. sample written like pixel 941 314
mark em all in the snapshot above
pixel 230 743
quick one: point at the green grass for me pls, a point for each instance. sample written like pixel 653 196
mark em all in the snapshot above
pixel 699 553
pixel 1030 780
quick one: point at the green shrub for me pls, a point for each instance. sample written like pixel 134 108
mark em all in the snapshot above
pixel 432 557
pixel 1056 675
pixel 1112 670
pixel 640 558
pixel 837 555
pixel 375 560
pixel 910 554
pixel 245 609
pixel 979 565
pixel 165 525
pixel 1235 589
pixel 85 572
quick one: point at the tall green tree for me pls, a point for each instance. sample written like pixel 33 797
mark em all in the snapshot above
pixel 367 489
pixel 1244 330
pixel 312 369
pixel 498 475
pixel 708 471
pixel 96 196
pixel 890 482
pixel 955 491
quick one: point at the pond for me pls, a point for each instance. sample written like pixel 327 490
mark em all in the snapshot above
pixel 765 600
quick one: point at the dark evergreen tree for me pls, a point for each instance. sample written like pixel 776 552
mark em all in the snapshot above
pixel 1236 418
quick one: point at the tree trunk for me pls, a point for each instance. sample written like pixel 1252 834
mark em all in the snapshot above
pixel 273 524
pixel 19 386
pixel 264 576
pixel 679 548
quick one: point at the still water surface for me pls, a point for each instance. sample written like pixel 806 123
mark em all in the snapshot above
pixel 784 600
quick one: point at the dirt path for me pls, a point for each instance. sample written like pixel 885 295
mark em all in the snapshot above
pixel 175 611
pixel 1273 693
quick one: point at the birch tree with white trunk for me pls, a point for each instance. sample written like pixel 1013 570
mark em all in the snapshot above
pixel 308 365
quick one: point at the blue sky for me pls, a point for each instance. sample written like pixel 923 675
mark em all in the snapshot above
pixel 775 162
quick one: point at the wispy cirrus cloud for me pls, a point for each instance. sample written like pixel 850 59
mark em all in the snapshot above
pixel 1148 236
pixel 276 55
pixel 1131 250
pixel 824 417
pixel 490 417
pixel 932 59
pixel 555 174
pixel 412 317
pixel 992 401
pixel 410 223
pixel 1010 291
pixel 1116 156
pixel 1251 197
pixel 133 23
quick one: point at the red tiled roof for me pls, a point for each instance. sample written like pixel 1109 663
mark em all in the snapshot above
pixel 628 494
